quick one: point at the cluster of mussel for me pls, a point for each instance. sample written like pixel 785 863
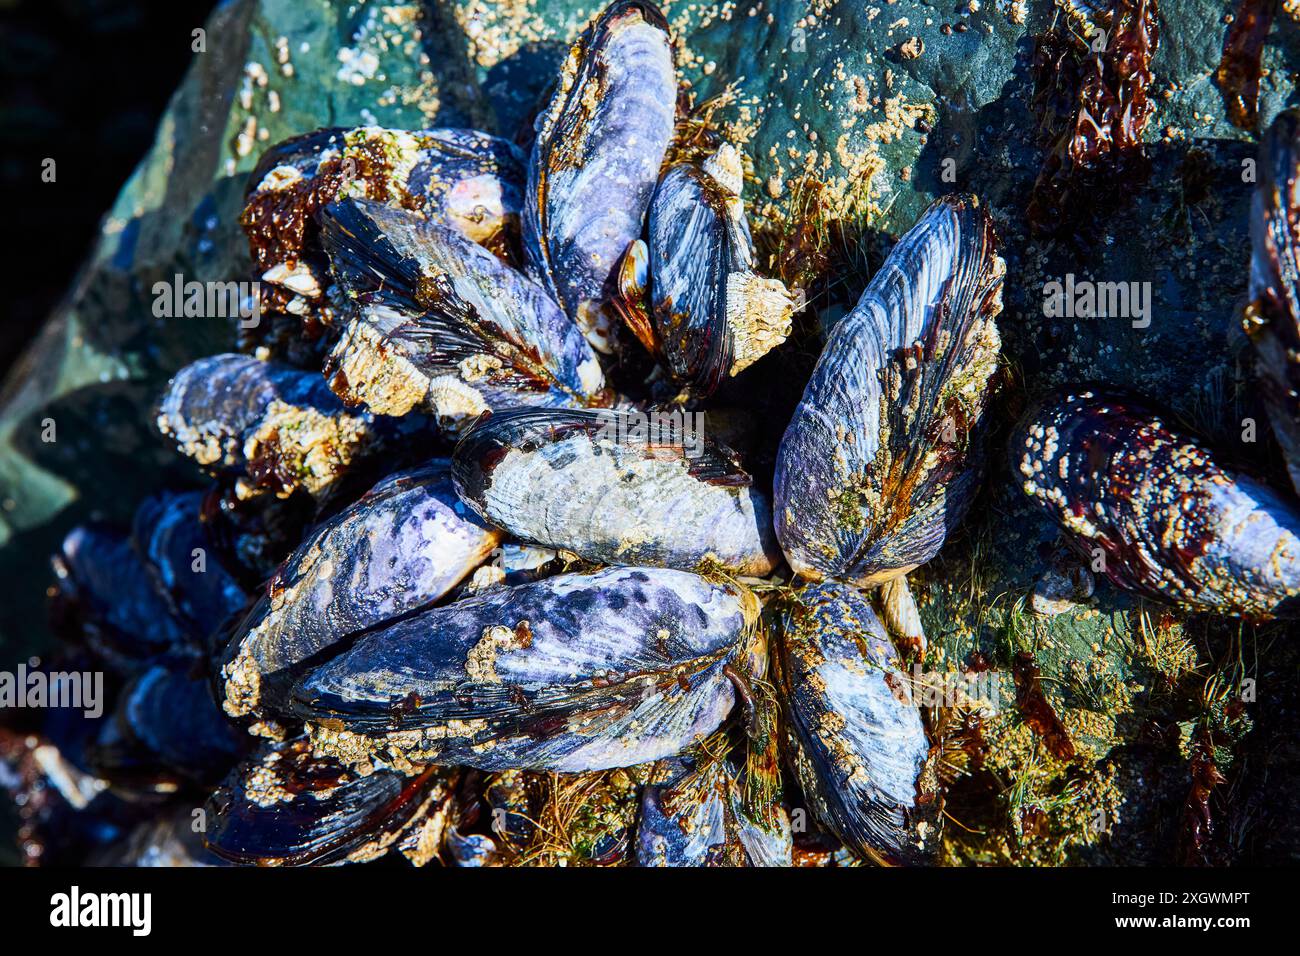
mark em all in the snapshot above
pixel 586 585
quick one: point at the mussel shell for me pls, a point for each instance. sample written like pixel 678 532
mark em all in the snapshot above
pixel 686 821
pixel 469 181
pixel 183 563
pixel 591 483
pixel 596 159
pixel 405 544
pixel 882 455
pixel 858 741
pixel 280 427
pixel 1170 523
pixel 442 325
pixel 1273 319
pixel 286 807
pixel 576 672
pixel 713 315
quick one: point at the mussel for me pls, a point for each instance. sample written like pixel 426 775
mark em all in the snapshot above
pixel 440 324
pixel 859 745
pixel 596 159
pixel 881 457
pixel 279 428
pixel 1272 320
pixel 575 672
pixel 401 547
pixel 711 315
pixel 619 487
pixel 1152 510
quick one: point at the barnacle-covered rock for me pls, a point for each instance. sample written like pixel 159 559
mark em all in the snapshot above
pixel 185 568
pixel 614 487
pixel 278 427
pixel 1273 318
pixel 576 672
pixel 881 457
pixel 402 546
pixel 596 159
pixel 440 324
pixel 468 181
pixel 286 807
pixel 858 742
pixel 712 315
pixel 1165 519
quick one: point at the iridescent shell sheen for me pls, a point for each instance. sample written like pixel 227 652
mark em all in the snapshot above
pixel 279 428
pixel 1168 521
pixel 1273 318
pixel 858 742
pixel 596 159
pixel 441 325
pixel 590 483
pixel 882 455
pixel 576 672
pixel 402 546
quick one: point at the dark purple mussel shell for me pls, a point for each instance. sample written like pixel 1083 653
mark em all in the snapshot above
pixel 596 159
pixel 858 742
pixel 711 315
pixel 882 457
pixel 441 325
pixel 1168 522
pixel 286 807
pixel 279 428
pixel 401 547
pixel 572 673
pixel 615 487
pixel 1272 320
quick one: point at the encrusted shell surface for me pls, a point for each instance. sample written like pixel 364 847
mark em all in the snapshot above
pixel 591 483
pixel 1273 318
pixel 596 159
pixel 576 672
pixel 279 427
pixel 857 736
pixel 1166 519
pixel 401 547
pixel 441 325
pixel 713 315
pixel 881 457
pixel 684 821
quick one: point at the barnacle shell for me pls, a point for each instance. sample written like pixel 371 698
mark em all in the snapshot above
pixel 440 324
pixel 280 428
pixel 857 736
pixel 286 807
pixel 576 672
pixel 1273 319
pixel 713 314
pixel 468 181
pixel 1173 524
pixel 881 459
pixel 590 482
pixel 596 159
pixel 402 546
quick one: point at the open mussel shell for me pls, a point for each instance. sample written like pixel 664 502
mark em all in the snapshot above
pixel 278 427
pixel 859 747
pixel 596 159
pixel 405 544
pixel 184 565
pixel 713 315
pixel 286 807
pixel 881 458
pixel 441 325
pixel 1153 510
pixel 469 181
pixel 576 672
pixel 618 488
pixel 1273 318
